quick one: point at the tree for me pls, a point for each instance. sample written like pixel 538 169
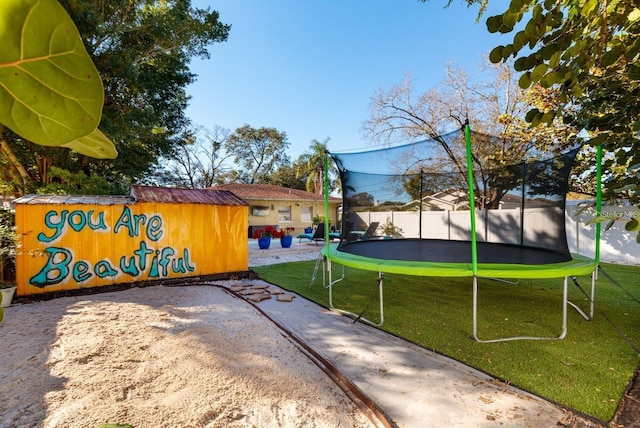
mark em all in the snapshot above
pixel 589 51
pixel 492 106
pixel 9 245
pixel 423 184
pixel 63 181
pixel 362 199
pixel 198 161
pixel 286 176
pixel 142 49
pixel 310 166
pixel 604 115
pixel 258 152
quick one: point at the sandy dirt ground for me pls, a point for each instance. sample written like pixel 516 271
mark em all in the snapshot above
pixel 162 357
pixel 159 357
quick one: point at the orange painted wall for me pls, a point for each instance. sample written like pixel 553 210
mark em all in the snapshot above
pixel 66 247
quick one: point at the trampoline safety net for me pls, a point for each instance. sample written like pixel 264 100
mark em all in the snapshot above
pixel 416 192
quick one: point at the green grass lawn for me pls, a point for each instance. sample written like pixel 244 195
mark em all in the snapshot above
pixel 588 370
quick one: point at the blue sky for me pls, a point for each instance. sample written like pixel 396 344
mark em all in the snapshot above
pixel 309 69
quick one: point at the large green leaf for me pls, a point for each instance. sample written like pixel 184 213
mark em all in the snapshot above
pixel 96 145
pixel 50 90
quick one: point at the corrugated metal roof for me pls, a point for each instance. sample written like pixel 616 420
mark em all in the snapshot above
pixel 185 196
pixel 74 199
pixel 140 194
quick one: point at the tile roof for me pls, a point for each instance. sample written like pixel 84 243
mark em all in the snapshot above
pixel 185 196
pixel 272 192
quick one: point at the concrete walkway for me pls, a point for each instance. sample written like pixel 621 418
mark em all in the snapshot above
pixel 415 387
pixel 304 250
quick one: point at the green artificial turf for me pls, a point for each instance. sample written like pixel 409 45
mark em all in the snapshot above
pixel 588 370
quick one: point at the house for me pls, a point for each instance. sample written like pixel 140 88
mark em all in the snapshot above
pixel 510 202
pixel 271 205
pixel 448 200
pixel 456 200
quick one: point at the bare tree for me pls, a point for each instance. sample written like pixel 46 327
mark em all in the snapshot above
pixel 200 161
pixel 492 106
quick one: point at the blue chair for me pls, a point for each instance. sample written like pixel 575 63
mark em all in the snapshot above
pixel 317 235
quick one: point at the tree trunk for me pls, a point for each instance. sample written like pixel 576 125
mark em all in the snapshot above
pixel 15 162
pixel 44 164
pixel 318 182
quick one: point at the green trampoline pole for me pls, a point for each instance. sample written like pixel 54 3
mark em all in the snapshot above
pixel 472 204
pixel 326 203
pixel 598 199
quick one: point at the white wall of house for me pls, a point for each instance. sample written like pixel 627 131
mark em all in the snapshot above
pixel 288 213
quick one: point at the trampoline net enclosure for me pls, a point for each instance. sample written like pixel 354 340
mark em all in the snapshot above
pixel 420 200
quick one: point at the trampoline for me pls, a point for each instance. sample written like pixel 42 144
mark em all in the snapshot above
pixel 519 233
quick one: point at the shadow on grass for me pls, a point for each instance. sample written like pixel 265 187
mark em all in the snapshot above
pixel 589 371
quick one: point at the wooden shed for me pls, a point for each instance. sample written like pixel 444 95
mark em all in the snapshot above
pixel 71 242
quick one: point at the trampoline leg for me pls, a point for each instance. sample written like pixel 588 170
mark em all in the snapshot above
pixel 330 283
pixel 591 297
pixel 357 317
pixel 324 271
pixel 565 304
pixel 380 277
pixel 319 260
pixel 380 294
pixel 593 293
pixel 475 309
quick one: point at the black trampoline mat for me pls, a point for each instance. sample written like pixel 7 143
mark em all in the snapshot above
pixel 443 251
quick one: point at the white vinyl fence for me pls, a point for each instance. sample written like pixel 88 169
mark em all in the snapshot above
pixel 616 244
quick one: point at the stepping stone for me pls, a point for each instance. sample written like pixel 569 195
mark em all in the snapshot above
pixel 250 291
pixel 274 290
pixel 286 297
pixel 237 288
pixel 259 297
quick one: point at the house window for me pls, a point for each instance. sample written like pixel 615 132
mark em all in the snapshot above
pixel 260 211
pixel 284 213
pixel 306 214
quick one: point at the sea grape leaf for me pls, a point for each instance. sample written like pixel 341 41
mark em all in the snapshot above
pixel 632 225
pixel 496 54
pixel 50 90
pixel 95 145
pixel 525 80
